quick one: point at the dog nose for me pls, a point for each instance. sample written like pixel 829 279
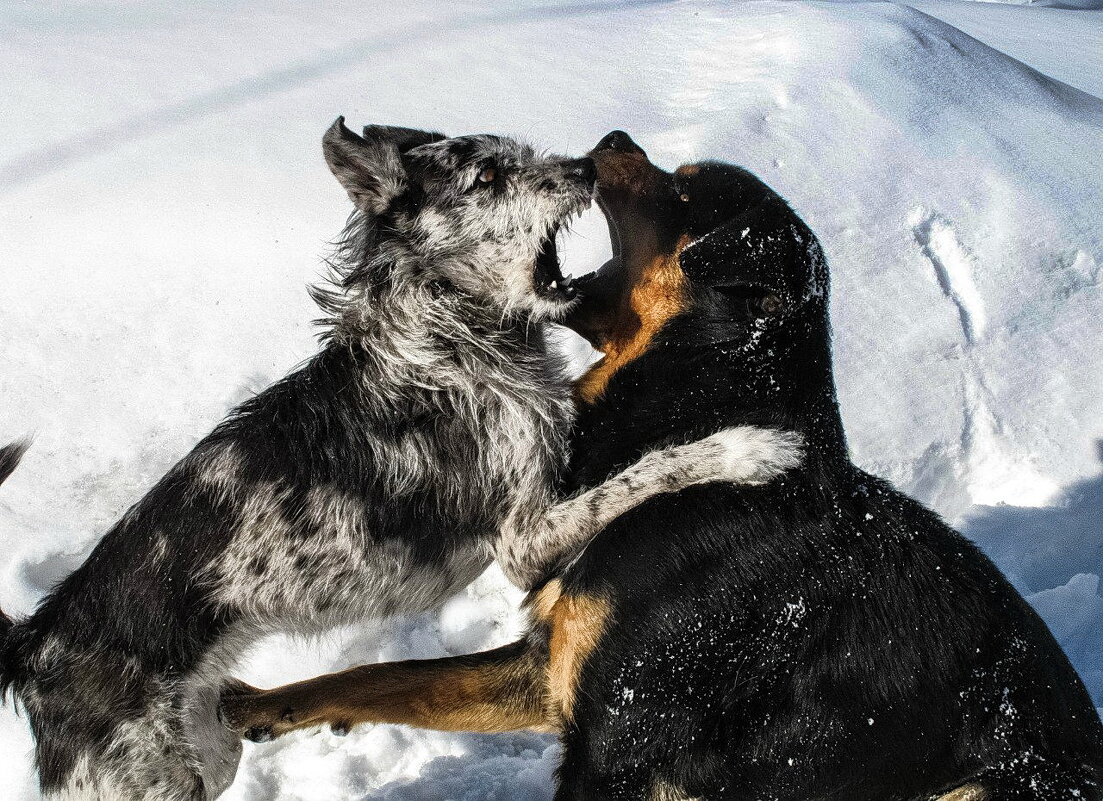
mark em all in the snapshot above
pixel 583 169
pixel 618 141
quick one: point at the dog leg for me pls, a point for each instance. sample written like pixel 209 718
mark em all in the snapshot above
pixel 495 691
pixel 529 684
pixel 533 545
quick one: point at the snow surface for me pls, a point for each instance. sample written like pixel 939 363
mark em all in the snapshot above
pixel 164 203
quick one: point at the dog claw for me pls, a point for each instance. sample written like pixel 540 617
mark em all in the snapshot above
pixel 258 734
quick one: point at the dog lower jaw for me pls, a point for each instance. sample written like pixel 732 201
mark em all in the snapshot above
pixel 551 310
pixel 548 281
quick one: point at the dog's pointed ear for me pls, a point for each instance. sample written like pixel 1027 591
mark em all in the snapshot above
pixel 402 138
pixel 370 170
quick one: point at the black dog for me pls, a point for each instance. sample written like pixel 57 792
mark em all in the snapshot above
pixel 824 637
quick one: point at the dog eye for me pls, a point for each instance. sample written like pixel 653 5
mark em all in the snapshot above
pixel 487 176
pixel 770 305
pixel 754 301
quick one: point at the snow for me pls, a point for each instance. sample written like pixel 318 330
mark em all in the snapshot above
pixel 164 203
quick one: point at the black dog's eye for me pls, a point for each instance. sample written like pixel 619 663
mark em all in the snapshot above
pixel 487 176
pixel 755 301
pixel 770 305
pixel 684 197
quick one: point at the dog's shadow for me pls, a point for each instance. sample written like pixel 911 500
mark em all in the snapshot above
pixel 1054 556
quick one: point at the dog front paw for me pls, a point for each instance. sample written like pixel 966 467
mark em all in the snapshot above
pixel 754 455
pixel 258 715
pixel 258 734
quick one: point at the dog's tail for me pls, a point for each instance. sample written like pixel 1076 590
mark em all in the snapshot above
pixel 10 456
pixel 9 460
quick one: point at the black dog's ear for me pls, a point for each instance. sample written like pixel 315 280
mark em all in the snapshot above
pixel 371 170
pixel 751 254
pixel 402 138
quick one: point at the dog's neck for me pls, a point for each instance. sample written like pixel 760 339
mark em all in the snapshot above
pixel 407 331
pixel 677 392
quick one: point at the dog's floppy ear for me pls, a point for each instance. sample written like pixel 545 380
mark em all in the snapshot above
pixel 402 138
pixel 739 261
pixel 371 170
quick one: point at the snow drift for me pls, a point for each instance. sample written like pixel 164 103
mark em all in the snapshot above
pixel 165 202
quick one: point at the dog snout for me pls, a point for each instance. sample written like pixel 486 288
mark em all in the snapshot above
pixel 619 142
pixel 583 170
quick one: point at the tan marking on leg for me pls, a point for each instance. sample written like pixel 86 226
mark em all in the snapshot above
pixel 542 602
pixel 487 698
pixel 657 295
pixel 499 690
pixel 968 792
pixel 577 623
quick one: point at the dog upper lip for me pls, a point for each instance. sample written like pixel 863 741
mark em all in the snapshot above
pixel 610 220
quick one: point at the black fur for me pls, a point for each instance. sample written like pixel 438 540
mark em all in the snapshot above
pixel 9 460
pixel 821 637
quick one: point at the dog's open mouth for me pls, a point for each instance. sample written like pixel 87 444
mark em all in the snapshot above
pixel 547 277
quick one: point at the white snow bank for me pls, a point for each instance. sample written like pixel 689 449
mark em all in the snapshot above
pixel 1060 4
pixel 164 202
pixel 1061 42
pixel 1075 614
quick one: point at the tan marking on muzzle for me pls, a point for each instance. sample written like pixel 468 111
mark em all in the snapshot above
pixel 658 294
pixel 629 172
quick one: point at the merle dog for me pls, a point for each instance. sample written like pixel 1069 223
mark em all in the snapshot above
pixel 820 638
pixel 424 440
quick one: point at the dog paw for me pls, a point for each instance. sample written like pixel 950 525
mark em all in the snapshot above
pixel 261 726
pixel 257 715
pixel 753 455
pixel 258 734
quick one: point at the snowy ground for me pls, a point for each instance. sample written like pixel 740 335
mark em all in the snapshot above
pixel 164 203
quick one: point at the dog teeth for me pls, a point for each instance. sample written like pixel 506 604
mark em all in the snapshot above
pixel 553 285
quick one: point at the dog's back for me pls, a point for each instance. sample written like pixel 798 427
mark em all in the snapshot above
pixel 114 665
pixel 823 638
